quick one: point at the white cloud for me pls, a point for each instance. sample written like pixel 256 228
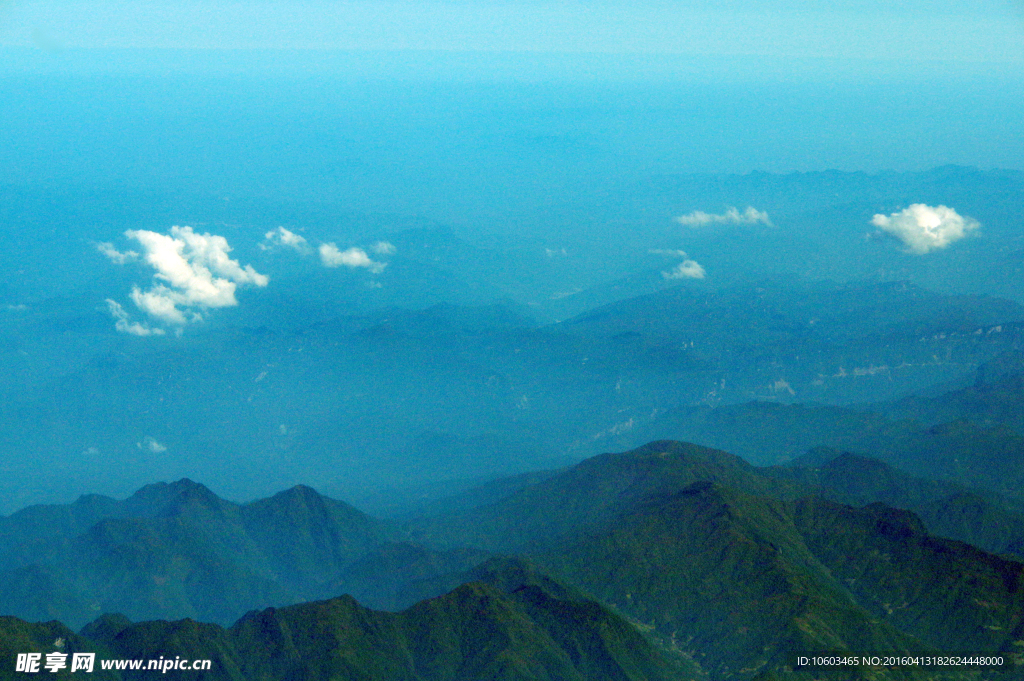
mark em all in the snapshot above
pixel 193 273
pixel 284 237
pixel 675 253
pixel 330 256
pixel 383 248
pixel 732 216
pixel 687 269
pixel 923 228
pixel 124 324
pixel 150 444
pixel 115 255
pixel 162 303
pixel 197 264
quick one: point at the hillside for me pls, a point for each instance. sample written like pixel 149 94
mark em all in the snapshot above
pixel 743 570
pixel 502 629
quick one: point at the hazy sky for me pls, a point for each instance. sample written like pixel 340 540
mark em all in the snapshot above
pixel 984 30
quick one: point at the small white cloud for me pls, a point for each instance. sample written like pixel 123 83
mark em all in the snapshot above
pixel 161 303
pixel 150 444
pixel 781 386
pixel 383 248
pixel 552 252
pixel 330 256
pixel 732 216
pixel 674 253
pixel 124 324
pixel 687 269
pixel 286 238
pixel 923 228
pixel 115 255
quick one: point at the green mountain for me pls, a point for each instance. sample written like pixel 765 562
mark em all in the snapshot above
pixel 744 572
pixel 987 457
pixel 589 493
pixel 513 624
pixel 946 508
pixel 733 572
pixel 946 593
pixel 20 637
pixel 727 578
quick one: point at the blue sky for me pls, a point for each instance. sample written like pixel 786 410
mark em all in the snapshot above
pixel 980 31
pixel 774 85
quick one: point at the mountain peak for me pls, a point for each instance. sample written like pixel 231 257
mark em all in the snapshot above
pixel 294 498
pixel 171 499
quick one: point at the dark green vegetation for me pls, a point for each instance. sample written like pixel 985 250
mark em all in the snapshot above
pixel 949 509
pixel 18 636
pixel 743 572
pixel 512 624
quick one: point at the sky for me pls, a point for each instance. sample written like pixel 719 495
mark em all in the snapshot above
pixel 772 85
pixel 983 31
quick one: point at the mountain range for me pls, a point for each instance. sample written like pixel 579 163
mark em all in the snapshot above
pixel 724 569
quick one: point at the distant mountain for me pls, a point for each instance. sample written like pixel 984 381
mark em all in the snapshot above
pixel 813 341
pixel 589 494
pixel 984 457
pixel 946 508
pixel 996 398
pixel 769 312
pixel 768 433
pixel 400 398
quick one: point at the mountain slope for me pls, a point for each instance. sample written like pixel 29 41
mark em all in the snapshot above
pixel 743 571
pixel 20 637
pixel 949 594
pixel 479 630
pixel 728 579
pixel 985 457
pixel 589 493
pixel 947 509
